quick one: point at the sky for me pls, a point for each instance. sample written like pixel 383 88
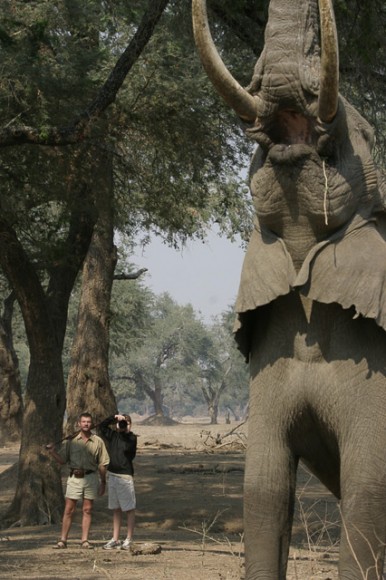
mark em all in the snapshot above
pixel 205 275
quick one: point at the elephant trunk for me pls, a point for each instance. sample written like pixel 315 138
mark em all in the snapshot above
pixel 291 71
pixel 329 74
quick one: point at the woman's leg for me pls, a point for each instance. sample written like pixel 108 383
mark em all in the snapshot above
pixel 117 519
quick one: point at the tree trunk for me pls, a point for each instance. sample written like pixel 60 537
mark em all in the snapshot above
pixel 11 403
pixel 213 413
pixel 39 496
pixel 88 386
pixel 154 394
pixel 158 398
pixel 212 395
pixel 236 414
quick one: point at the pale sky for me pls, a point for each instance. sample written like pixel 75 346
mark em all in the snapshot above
pixel 205 275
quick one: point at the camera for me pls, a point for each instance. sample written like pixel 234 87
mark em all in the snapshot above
pixel 122 424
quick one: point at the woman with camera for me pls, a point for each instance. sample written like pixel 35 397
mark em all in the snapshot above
pixel 122 447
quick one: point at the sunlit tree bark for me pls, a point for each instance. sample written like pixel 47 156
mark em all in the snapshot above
pixel 89 386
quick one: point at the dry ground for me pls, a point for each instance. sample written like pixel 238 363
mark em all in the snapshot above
pixel 189 495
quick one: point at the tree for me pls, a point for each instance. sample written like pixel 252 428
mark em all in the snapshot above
pixel 130 309
pixel 212 389
pixel 221 371
pixel 89 386
pixel 43 298
pixel 178 360
pixel 168 351
pixel 235 396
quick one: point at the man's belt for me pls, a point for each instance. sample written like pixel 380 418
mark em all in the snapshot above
pixel 80 472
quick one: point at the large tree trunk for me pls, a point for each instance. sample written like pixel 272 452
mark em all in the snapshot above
pixel 89 387
pixel 11 403
pixel 39 497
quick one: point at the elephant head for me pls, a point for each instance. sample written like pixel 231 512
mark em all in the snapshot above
pixel 312 176
pixel 289 73
pixel 292 107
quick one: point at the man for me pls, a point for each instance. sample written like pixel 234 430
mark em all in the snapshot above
pixel 86 454
pixel 122 448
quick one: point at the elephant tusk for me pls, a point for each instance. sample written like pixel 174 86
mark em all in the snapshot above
pixel 244 104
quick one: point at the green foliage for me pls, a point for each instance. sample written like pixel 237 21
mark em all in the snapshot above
pixel 361 28
pixel 178 362
pixel 174 338
pixel 50 59
pixel 177 148
pixel 180 153
pixel 131 303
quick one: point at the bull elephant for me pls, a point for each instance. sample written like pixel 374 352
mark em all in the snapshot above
pixel 311 307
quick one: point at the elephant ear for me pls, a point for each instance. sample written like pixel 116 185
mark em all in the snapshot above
pixel 267 273
pixel 350 271
pixel 348 268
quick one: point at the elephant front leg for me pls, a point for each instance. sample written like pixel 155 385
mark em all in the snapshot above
pixel 269 492
pixel 363 532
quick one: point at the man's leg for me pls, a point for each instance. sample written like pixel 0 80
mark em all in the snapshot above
pixel 86 518
pixel 69 510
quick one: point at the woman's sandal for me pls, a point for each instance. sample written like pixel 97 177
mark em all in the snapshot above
pixel 61 545
pixel 86 545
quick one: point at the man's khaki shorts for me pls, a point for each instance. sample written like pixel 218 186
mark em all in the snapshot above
pixel 83 487
pixel 121 492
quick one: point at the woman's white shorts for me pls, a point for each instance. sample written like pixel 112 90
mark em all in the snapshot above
pixel 121 492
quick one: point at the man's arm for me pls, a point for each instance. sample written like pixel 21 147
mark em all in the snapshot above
pixel 102 473
pixel 103 461
pixel 51 450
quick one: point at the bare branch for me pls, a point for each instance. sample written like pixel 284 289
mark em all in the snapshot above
pixel 131 276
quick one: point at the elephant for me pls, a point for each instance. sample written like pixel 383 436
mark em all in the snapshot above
pixel 311 306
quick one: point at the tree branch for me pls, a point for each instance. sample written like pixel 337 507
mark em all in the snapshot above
pixel 131 276
pixel 76 131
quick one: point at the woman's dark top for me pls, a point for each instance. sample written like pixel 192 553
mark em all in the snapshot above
pixel 122 447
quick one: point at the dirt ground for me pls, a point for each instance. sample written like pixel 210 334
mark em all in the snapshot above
pixel 189 507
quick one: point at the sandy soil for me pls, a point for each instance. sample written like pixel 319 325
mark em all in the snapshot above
pixel 189 494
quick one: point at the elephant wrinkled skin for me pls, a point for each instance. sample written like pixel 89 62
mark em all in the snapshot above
pixel 311 311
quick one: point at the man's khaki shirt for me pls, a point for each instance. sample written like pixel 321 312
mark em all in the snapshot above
pixel 87 455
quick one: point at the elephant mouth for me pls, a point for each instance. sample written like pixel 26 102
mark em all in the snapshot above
pixel 285 154
pixel 291 128
pixel 286 137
